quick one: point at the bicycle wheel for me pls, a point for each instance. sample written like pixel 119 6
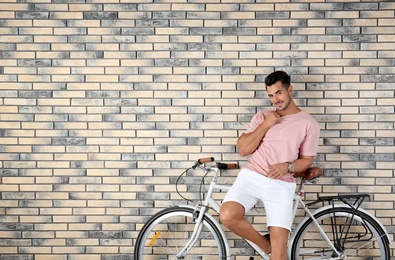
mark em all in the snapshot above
pixel 356 236
pixel 168 231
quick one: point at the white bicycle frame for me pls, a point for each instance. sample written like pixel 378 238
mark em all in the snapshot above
pixel 209 202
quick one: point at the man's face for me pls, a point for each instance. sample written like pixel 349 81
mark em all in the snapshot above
pixel 279 96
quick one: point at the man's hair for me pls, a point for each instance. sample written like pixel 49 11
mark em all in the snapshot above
pixel 282 76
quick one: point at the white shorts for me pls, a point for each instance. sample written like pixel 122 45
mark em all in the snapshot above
pixel 276 195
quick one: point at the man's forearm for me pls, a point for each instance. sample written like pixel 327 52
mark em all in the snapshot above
pixel 303 164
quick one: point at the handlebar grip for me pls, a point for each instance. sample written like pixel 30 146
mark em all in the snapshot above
pixel 204 160
pixel 233 166
pixel 227 166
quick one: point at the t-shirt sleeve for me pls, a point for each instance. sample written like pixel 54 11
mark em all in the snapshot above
pixel 309 145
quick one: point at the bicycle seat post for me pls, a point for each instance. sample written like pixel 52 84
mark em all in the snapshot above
pixel 300 191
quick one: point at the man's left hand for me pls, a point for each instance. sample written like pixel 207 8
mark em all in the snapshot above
pixel 277 171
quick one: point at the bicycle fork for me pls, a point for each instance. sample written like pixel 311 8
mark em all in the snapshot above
pixel 199 222
pixel 195 234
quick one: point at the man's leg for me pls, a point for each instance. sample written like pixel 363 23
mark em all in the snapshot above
pixel 232 217
pixel 279 242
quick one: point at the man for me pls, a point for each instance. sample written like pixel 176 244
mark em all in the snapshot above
pixel 281 142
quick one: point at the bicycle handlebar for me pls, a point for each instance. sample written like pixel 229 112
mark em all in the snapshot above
pixel 221 166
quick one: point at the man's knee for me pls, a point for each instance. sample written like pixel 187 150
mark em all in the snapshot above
pixel 231 212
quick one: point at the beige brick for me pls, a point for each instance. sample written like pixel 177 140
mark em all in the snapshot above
pixel 53 164
pixel 14 85
pixel 50 257
pixel 16 38
pixel 70 157
pixel 384 197
pixel 257 7
pixel 30 47
pixel 376 94
pixel 102 250
pixel 71 203
pixel 9 250
pixel 104 156
pixel 5 187
pixel 36 31
pixel 373 189
pixel 384 133
pixel 35 188
pixel 101 188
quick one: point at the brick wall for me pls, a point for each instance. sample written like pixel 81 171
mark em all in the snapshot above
pixel 104 103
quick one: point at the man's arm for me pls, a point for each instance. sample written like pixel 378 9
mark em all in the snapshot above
pixel 303 163
pixel 278 170
pixel 248 143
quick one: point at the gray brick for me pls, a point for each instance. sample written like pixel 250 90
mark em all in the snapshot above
pixel 100 15
pixel 377 141
pixel 239 31
pixel 119 7
pixel 206 31
pixel 343 30
pixel 69 141
pixel 138 31
pixel 139 157
pixel 8 46
pixel 16 257
pixel 16 226
pixel 105 234
pixel 361 6
pixel 377 157
pixel 117 257
pixel 272 15
pixel 32 15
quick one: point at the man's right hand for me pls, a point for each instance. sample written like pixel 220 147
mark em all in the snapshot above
pixel 271 118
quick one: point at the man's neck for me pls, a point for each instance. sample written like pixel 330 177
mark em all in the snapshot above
pixel 291 109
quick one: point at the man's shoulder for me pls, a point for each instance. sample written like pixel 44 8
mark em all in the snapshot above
pixel 311 122
pixel 307 116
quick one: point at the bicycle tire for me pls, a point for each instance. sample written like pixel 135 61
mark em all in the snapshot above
pixel 167 232
pixel 365 238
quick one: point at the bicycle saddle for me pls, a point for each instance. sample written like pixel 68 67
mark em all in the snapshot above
pixel 310 173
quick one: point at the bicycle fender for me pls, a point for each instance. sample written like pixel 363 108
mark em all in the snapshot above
pixel 216 222
pixel 329 207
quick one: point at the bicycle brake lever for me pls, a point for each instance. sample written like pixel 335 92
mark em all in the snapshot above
pixel 195 165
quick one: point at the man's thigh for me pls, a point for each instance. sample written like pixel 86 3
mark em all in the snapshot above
pixel 278 203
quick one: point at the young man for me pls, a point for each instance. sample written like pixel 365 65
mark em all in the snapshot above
pixel 280 142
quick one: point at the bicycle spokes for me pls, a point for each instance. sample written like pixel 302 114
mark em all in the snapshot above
pixel 353 236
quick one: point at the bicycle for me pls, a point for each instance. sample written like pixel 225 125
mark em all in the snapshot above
pixel 334 231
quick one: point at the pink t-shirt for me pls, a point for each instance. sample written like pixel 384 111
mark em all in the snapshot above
pixel 291 136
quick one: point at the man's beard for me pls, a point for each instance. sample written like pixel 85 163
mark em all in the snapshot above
pixel 284 105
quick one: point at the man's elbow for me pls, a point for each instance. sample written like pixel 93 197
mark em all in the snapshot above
pixel 243 152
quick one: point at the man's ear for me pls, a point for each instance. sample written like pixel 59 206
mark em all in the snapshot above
pixel 290 88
